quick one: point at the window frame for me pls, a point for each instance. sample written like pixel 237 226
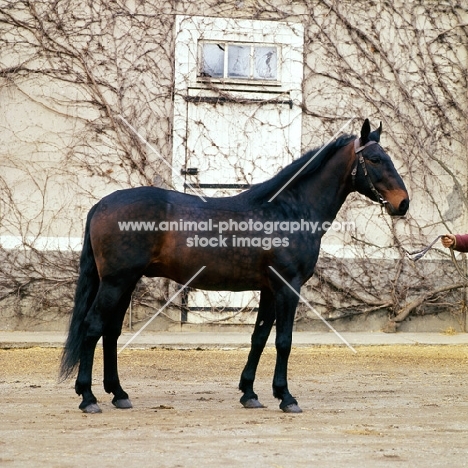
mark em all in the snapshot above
pixel 226 79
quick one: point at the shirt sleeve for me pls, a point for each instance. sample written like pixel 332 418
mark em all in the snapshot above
pixel 461 244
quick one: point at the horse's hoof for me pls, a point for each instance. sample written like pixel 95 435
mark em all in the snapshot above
pixel 93 408
pixel 292 408
pixel 125 403
pixel 253 403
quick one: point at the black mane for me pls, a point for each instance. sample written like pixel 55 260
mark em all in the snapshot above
pixel 267 189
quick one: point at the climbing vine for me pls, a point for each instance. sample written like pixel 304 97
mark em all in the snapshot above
pixel 70 70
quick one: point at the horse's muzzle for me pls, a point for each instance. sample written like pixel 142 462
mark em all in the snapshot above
pixel 399 210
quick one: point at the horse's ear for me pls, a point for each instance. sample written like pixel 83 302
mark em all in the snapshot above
pixel 365 131
pixel 375 135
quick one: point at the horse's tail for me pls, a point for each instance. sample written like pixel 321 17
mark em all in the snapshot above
pixel 86 290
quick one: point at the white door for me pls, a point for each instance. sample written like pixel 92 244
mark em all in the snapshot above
pixel 237 120
pixel 231 146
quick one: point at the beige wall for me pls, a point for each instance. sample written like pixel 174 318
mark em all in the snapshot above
pixel 63 145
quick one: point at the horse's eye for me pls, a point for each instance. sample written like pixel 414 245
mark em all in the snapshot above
pixel 374 159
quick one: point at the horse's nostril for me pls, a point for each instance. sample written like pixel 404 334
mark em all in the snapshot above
pixel 404 205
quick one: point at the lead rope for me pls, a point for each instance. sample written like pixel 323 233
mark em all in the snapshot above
pixel 418 254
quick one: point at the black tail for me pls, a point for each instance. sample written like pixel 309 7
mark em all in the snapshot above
pixel 86 290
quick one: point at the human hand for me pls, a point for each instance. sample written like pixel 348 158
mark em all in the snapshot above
pixel 448 240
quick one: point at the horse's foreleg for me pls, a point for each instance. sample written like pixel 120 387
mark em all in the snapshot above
pixel 286 304
pixel 263 325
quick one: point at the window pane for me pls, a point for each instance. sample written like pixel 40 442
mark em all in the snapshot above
pixel 212 63
pixel 239 61
pixel 265 63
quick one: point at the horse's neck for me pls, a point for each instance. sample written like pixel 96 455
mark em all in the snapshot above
pixel 326 190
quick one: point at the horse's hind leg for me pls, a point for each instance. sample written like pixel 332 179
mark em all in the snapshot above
pixel 112 332
pixel 83 380
pixel 263 325
pixel 104 305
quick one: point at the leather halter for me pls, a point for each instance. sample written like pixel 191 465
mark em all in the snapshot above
pixel 360 158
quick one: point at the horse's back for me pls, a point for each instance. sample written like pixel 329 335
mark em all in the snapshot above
pixel 155 195
pixel 146 194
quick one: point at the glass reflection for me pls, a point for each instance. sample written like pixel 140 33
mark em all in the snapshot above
pixel 265 63
pixel 238 61
pixel 212 63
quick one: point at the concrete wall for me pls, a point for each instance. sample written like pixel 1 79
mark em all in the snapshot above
pixel 67 76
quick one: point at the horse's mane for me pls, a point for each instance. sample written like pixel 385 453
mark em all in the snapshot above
pixel 267 189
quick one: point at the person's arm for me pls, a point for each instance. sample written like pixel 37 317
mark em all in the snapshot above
pixel 461 242
pixel 457 242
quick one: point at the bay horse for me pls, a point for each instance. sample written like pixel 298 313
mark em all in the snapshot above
pixel 313 187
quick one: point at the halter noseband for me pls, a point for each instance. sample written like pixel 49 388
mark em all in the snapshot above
pixel 362 162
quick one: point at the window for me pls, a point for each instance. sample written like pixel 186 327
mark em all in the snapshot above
pixel 237 61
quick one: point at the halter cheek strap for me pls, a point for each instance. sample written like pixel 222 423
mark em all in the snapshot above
pixel 362 162
pixel 358 149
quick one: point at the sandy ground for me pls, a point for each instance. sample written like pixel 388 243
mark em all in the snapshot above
pixel 386 406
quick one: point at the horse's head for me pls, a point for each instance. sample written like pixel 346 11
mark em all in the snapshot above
pixel 374 174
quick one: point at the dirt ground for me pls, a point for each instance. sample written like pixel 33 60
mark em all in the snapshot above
pixel 385 406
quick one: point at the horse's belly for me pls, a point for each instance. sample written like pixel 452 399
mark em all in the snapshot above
pixel 213 270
